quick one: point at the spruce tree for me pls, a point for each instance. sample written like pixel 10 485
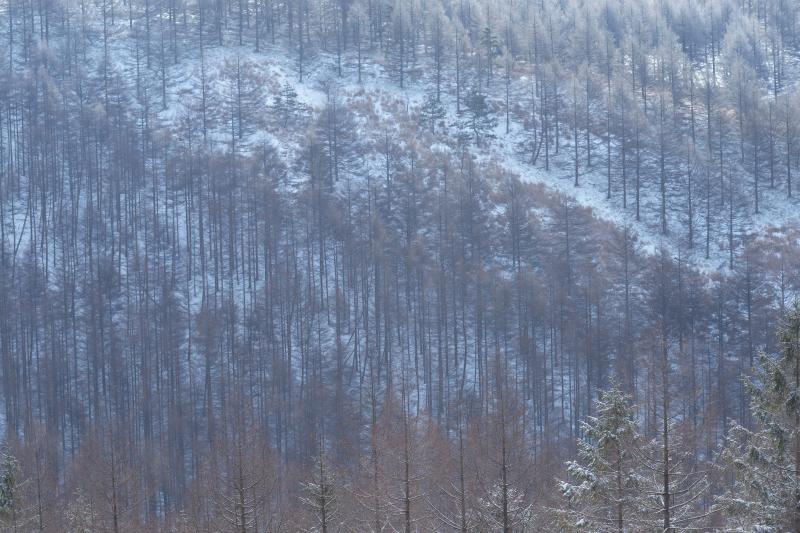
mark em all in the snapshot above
pixel 605 485
pixel 765 460
pixel 674 489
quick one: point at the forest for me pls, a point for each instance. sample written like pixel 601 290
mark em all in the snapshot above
pixel 399 265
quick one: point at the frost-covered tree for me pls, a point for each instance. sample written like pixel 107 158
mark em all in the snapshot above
pixel 765 495
pixel 319 494
pixel 506 504
pixel 286 104
pixel 674 489
pixel 186 238
pixel 505 508
pixel 244 482
pixel 9 489
pixel 604 490
pixel 81 516
pixel 240 97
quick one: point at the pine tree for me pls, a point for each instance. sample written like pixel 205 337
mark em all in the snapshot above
pixel 605 486
pixel 479 121
pixel 765 461
pixel 286 104
pixel 492 48
pixel 432 111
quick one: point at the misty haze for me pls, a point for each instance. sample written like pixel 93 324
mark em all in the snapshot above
pixel 419 266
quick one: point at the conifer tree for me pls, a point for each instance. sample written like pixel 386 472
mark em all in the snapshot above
pixel 765 461
pixel 479 121
pixel 10 491
pixel 674 488
pixel 320 495
pixel 8 483
pixel 432 111
pixel 286 104
pixel 605 486
pixel 493 50
pixel 505 509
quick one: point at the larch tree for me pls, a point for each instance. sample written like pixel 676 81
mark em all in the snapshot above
pixel 187 234
pixel 674 488
pixel 320 495
pixel 505 504
pixel 80 515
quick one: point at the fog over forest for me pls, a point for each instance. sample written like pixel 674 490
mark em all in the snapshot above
pixel 399 266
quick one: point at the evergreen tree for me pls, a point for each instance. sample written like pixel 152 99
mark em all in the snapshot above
pixel 765 461
pixel 605 487
pixel 9 490
pixel 8 481
pixel 432 111
pixel 286 104
pixel 479 121
pixel 492 48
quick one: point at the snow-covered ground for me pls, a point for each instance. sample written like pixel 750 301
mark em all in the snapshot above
pixel 272 67
pixel 321 80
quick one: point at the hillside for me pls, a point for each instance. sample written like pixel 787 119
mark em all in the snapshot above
pixel 257 253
